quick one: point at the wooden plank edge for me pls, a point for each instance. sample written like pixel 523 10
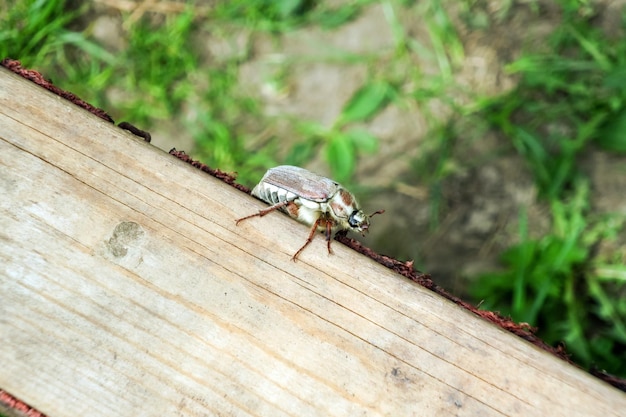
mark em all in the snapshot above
pixel 14 407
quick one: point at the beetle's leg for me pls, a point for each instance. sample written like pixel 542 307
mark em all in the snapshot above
pixel 328 235
pixel 263 212
pixel 309 239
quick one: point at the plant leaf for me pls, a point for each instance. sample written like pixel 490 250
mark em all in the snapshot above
pixel 612 135
pixel 362 140
pixel 341 156
pixel 366 102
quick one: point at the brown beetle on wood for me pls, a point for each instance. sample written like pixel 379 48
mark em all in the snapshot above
pixel 310 199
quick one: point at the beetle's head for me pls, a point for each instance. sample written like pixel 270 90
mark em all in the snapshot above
pixel 359 221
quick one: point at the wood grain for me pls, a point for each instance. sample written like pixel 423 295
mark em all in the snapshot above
pixel 127 289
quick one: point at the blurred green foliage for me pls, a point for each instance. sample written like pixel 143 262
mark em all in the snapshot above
pixel 570 97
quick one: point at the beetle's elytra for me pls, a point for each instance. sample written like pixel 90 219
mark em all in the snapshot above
pixel 310 199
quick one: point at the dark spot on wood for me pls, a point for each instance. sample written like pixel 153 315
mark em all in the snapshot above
pixel 124 234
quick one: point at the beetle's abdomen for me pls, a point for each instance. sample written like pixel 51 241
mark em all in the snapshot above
pixel 272 194
pixel 301 209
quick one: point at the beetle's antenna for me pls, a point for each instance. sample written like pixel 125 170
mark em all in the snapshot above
pixel 377 212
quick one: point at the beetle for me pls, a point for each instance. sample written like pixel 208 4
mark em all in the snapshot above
pixel 317 201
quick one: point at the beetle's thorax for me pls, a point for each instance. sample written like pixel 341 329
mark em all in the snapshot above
pixel 345 211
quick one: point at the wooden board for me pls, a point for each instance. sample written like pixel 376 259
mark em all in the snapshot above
pixel 127 289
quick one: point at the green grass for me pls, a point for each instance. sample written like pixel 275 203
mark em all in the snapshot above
pixel 570 99
pixel 558 281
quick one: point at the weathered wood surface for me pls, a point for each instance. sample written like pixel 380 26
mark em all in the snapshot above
pixel 127 289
